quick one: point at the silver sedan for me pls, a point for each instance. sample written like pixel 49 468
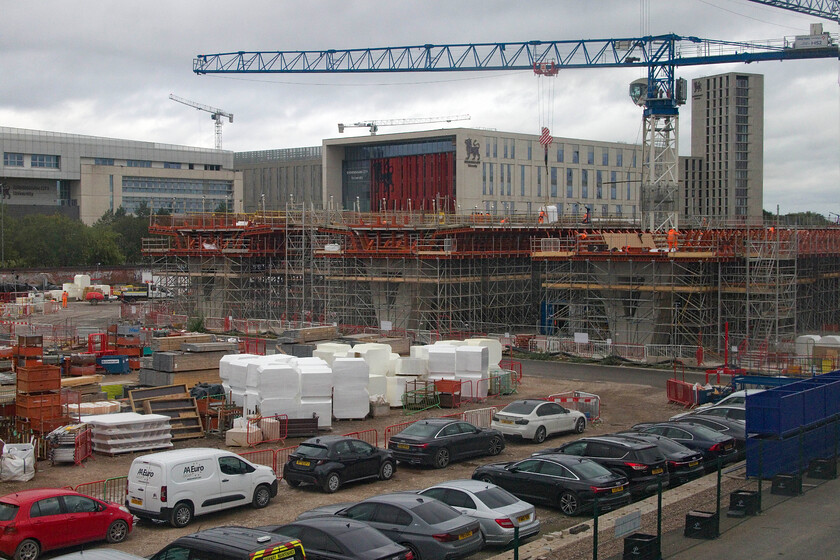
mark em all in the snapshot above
pixel 497 510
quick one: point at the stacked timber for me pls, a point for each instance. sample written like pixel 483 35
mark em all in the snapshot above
pixel 170 343
pixel 194 362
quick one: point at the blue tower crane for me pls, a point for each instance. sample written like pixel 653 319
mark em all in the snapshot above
pixel 660 94
pixel 826 9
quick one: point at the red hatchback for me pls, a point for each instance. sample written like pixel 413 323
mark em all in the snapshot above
pixel 32 521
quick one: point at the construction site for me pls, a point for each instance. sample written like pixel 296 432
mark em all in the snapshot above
pixel 599 288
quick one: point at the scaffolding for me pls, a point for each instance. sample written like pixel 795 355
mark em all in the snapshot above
pixel 464 275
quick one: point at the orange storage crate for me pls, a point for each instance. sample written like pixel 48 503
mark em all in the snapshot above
pixel 25 386
pixel 38 406
pixel 39 373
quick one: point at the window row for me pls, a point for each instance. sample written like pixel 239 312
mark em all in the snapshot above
pixel 576 182
pixel 172 186
pixel 608 156
pixel 45 161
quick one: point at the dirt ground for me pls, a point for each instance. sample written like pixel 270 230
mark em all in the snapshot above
pixel 622 406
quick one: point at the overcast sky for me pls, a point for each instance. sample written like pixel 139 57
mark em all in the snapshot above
pixel 107 69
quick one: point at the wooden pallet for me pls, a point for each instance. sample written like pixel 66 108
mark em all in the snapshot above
pixel 138 396
pixel 183 413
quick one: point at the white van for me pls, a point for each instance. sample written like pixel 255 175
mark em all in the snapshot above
pixel 175 485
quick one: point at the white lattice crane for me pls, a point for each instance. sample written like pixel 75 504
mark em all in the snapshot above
pixel 374 125
pixel 216 114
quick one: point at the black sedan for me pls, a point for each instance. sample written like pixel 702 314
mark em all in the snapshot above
pixel 569 483
pixel 684 464
pixel 330 461
pixel 736 429
pixel 437 441
pixel 335 538
pixel 714 445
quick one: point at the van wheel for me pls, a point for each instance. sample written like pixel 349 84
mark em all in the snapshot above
pixel 332 483
pixel 181 515
pixel 117 532
pixel 262 495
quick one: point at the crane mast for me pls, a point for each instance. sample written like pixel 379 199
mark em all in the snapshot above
pixel 374 125
pixel 216 114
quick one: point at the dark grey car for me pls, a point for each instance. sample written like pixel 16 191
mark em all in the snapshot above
pixel 430 529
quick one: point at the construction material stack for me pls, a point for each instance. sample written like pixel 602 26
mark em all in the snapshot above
pixel 38 389
pixel 190 364
pixel 128 344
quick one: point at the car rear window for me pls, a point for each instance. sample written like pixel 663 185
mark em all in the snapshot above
pixel 649 455
pixel 670 445
pixel 366 538
pixel 421 429
pixel 312 451
pixel 496 497
pixel 8 511
pixel 588 469
pixel 435 512
pixel 707 433
pixel 520 407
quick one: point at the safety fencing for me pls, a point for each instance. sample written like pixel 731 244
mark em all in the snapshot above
pixel 109 489
pixel 587 403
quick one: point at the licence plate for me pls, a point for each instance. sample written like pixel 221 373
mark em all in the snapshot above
pixel 617 489
pixel 728 447
pixel 656 471
pixel 506 421
pixel 136 501
pixel 303 463
pixel 694 463
pixel 402 446
pixel 523 518
pixel 466 535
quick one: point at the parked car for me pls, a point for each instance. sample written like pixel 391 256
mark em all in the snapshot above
pixel 430 529
pixel 728 411
pixel 684 464
pixel 335 538
pixel 496 510
pixel 535 419
pixel 736 429
pixel 437 441
pixel 641 463
pixel 34 521
pixel 568 483
pixel 99 554
pixel 714 445
pixel 176 485
pixel 332 461
pixel 232 543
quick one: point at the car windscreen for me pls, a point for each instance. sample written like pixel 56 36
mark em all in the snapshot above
pixel 649 455
pixel 7 511
pixel 421 429
pixel 496 497
pixel 311 451
pixel 363 539
pixel 433 512
pixel 520 407
pixel 587 469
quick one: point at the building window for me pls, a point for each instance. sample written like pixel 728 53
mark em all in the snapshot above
pixel 619 158
pixel 575 154
pixel 45 161
pixel 103 161
pixel 530 151
pixel 486 147
pixel 505 148
pixel 605 157
pixel 613 191
pixel 605 210
pixel 560 153
pixel 171 165
pixel 483 178
pixel 509 181
pixel 11 159
pixel 214 167
pixel 490 188
pixel 618 209
pixel 584 183
pixel 570 182
pixel 138 163
pixel 553 182
pixel 512 154
pixel 590 155
pixel 599 184
pixel 539 183
pixel 521 180
pixel 495 147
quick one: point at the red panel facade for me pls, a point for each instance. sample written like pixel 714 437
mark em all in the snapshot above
pixel 427 180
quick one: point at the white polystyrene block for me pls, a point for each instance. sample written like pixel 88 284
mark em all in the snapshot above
pixel 235 369
pixel 471 359
pixel 376 355
pixel 474 385
pixel 350 372
pixel 444 376
pixel 494 348
pixel 441 359
pixel 396 389
pixel 377 385
pixel 421 352
pixel 237 396
pixel 449 343
pixel 278 380
pixel 392 363
pixel 274 405
pixel 321 407
pixel 250 401
pixel 328 355
pixel 81 280
pixel 411 366
pixel 351 404
pixel 316 384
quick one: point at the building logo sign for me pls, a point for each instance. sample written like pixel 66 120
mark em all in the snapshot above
pixel 473 153
pixel 697 89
